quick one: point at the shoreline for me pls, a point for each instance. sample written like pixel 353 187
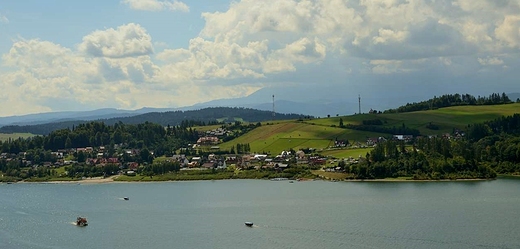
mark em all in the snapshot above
pixel 412 180
pixel 111 179
pixel 94 180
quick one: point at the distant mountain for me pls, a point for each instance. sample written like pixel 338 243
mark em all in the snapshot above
pixel 163 118
pixel 312 107
pixel 308 100
pixel 286 101
pixel 49 117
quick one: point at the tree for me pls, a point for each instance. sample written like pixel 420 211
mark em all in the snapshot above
pixel 81 157
pixel 341 122
pixel 145 156
pixel 68 143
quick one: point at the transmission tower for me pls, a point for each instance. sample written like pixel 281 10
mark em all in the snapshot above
pixel 273 108
pixel 359 102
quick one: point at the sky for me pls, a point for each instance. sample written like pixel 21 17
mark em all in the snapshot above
pixel 62 55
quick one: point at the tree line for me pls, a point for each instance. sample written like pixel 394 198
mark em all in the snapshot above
pixel 487 149
pixel 448 100
pixel 174 118
pixel 94 134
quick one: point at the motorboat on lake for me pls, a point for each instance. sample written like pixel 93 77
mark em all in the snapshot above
pixel 81 221
pixel 126 198
pixel 249 224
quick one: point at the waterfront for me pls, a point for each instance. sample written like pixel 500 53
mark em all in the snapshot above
pixel 211 214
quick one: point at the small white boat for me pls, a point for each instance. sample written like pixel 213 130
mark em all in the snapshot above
pixel 249 224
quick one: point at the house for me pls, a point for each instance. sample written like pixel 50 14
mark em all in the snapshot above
pixel 302 160
pixel 208 140
pixel 231 159
pixel 133 166
pixel 208 165
pixel 285 154
pixel 317 160
pixel 260 157
pixel 221 164
pixel 300 154
pixel 375 140
pixel 243 161
pixel 406 138
pixel 340 143
pixel 281 166
pixel 57 154
pixel 84 150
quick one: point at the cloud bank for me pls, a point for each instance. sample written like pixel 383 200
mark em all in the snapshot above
pixel 157 5
pixel 253 44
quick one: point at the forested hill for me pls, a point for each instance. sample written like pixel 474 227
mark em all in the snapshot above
pixel 448 100
pixel 206 115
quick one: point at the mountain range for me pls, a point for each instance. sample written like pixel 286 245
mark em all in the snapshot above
pixel 260 100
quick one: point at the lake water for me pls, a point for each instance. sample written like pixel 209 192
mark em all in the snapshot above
pixel 211 214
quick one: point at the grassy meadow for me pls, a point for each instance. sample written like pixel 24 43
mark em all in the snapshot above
pixel 446 118
pixel 320 134
pixel 295 135
pixel 346 153
pixel 5 137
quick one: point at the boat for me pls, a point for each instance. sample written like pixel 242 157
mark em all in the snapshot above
pixel 249 224
pixel 126 198
pixel 290 181
pixel 81 221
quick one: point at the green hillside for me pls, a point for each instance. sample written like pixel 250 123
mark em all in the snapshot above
pixel 445 118
pixel 295 135
pixel 321 133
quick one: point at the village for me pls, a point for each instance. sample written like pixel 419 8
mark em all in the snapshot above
pixel 204 154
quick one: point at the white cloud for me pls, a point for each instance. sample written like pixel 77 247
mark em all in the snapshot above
pixel 205 60
pixel 493 61
pixel 157 5
pixel 509 31
pixel 3 19
pixel 259 43
pixel 388 35
pixel 125 41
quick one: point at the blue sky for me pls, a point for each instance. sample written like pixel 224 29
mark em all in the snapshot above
pixel 81 55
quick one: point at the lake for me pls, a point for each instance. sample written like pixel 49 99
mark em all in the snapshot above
pixel 313 214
